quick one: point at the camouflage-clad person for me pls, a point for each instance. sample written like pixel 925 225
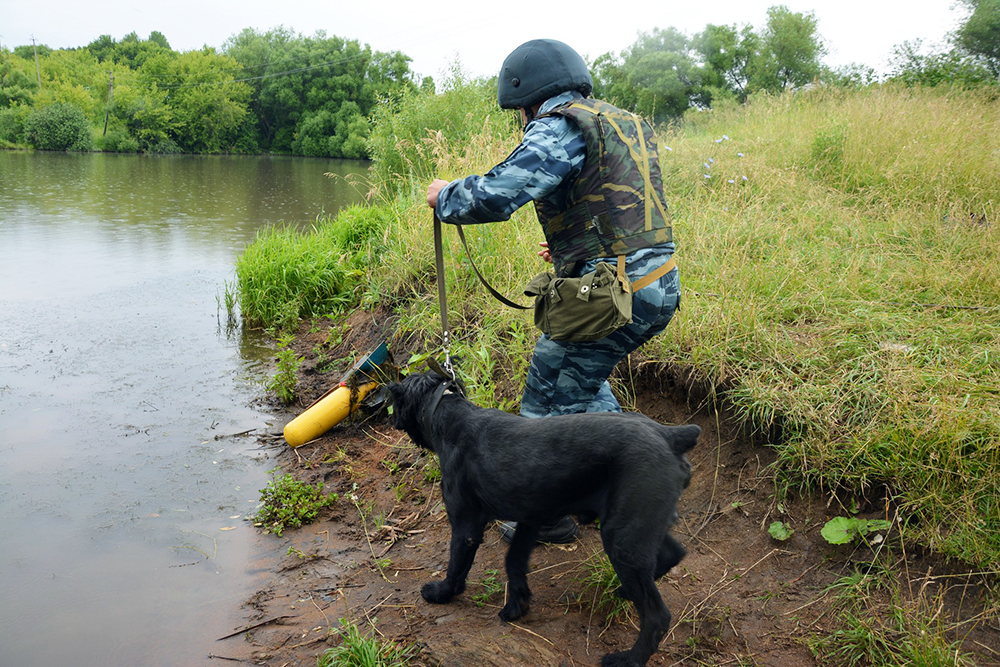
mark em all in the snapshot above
pixel 592 171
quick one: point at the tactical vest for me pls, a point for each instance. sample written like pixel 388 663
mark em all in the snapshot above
pixel 616 205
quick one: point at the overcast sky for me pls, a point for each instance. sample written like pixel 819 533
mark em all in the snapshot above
pixel 477 34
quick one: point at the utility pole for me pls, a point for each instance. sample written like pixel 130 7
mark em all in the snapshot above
pixel 37 71
pixel 111 90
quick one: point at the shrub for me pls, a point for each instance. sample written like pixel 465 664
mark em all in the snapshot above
pixel 12 124
pixel 59 127
pixel 118 141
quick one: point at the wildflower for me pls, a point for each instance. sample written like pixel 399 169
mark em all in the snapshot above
pixel 731 180
pixel 711 160
pixel 739 155
pixel 706 165
pixel 726 137
pixel 708 176
pixel 669 149
pixel 744 178
pixel 718 141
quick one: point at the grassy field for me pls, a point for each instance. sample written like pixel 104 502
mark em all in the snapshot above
pixel 839 255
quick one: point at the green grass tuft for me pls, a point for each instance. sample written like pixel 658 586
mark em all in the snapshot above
pixel 287 274
pixel 601 584
pixel 288 503
pixel 356 650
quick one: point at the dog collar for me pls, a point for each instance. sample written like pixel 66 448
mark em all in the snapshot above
pixel 441 390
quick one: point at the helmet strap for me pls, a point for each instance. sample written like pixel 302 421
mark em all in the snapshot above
pixel 529 115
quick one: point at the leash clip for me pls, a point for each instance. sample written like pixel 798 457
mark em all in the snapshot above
pixel 446 346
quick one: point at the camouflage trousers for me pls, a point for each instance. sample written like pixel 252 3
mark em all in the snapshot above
pixel 566 378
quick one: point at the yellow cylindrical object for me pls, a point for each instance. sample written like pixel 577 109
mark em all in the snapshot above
pixel 324 414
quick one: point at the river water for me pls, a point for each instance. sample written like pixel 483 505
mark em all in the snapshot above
pixel 124 480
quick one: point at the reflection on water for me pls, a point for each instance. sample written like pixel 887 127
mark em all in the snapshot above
pixel 123 484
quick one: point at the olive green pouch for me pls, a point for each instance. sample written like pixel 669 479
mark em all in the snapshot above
pixel 581 309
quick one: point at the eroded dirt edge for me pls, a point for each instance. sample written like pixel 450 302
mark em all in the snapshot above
pixel 739 597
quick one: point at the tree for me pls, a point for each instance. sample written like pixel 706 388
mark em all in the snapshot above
pixel 727 53
pixel 157 37
pixel 664 73
pixel 307 91
pixel 147 117
pixel 27 51
pixel 980 34
pixel 208 108
pixel 912 66
pixel 16 85
pixel 133 52
pixel 790 51
pixel 102 48
pixel 657 77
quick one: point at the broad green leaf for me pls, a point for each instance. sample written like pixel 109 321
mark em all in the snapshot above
pixel 780 531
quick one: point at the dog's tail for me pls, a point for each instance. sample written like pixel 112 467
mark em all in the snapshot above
pixel 682 438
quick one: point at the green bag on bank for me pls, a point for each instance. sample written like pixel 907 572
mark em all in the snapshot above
pixel 581 309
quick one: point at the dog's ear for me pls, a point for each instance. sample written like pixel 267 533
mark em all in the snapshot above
pixel 408 398
pixel 684 437
pixel 395 391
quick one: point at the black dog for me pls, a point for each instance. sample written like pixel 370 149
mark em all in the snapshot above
pixel 624 469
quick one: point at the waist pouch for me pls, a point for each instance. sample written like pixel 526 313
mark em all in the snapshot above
pixel 581 309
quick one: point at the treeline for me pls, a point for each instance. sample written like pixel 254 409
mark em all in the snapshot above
pixel 262 92
pixel 665 72
pixel 280 92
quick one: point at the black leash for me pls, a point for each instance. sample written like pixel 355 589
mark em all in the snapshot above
pixel 442 297
pixel 499 297
pixel 442 292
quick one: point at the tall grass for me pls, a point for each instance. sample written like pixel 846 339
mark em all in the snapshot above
pixel 848 290
pixel 288 274
pixel 839 257
pixel 413 133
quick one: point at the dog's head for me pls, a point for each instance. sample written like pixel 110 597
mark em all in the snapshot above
pixel 412 399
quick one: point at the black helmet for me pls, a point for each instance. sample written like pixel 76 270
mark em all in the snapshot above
pixel 539 69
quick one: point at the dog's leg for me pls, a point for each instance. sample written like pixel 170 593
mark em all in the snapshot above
pixel 654 617
pixel 635 558
pixel 519 595
pixel 671 553
pixel 465 540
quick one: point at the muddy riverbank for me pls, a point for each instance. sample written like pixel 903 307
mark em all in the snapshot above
pixel 740 597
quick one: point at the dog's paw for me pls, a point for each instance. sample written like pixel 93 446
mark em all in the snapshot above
pixel 514 610
pixel 437 592
pixel 619 659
